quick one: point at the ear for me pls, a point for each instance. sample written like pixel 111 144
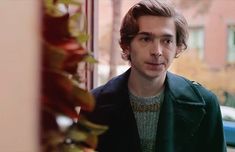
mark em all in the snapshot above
pixel 178 52
pixel 125 52
pixel 125 48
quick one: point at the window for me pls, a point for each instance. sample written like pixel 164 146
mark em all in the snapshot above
pixel 231 44
pixel 196 40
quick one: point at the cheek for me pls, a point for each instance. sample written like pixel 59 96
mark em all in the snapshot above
pixel 136 55
pixel 173 53
pixel 169 56
pixel 136 58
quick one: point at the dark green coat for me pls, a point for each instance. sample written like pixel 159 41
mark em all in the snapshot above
pixel 189 121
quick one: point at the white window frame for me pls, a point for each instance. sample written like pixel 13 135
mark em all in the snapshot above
pixel 199 41
pixel 231 44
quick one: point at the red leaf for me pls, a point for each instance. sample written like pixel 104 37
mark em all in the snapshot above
pixel 55 28
pixel 64 94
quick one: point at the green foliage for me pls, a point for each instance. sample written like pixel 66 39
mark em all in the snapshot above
pixel 69 2
pixel 82 37
pixel 90 59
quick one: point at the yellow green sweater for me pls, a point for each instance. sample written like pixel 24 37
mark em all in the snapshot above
pixel 146 111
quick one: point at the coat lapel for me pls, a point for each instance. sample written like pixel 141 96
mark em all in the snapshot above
pixel 165 130
pixel 125 120
pixel 181 114
pixel 126 117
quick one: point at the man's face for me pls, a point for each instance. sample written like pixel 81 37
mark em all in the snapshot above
pixel 153 49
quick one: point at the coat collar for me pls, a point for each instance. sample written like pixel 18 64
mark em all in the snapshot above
pixel 183 91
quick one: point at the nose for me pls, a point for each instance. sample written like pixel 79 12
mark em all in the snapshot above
pixel 156 49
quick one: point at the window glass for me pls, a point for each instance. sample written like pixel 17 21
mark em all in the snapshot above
pixel 231 44
pixel 196 40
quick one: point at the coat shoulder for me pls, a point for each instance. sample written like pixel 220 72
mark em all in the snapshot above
pixel 183 88
pixel 207 94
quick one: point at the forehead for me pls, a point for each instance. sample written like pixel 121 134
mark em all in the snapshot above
pixel 157 25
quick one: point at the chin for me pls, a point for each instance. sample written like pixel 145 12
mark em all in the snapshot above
pixel 154 74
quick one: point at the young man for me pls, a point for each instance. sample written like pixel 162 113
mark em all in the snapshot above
pixel 149 109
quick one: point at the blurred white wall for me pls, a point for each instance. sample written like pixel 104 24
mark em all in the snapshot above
pixel 19 75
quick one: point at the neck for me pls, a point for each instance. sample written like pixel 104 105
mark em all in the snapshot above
pixel 145 87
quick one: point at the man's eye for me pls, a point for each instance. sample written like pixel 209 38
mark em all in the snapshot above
pixel 167 41
pixel 146 39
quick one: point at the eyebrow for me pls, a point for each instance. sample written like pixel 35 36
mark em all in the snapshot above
pixel 151 34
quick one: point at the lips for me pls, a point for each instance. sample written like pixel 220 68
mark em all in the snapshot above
pixel 153 66
pixel 154 63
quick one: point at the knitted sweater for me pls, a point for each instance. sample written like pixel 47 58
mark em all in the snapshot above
pixel 146 111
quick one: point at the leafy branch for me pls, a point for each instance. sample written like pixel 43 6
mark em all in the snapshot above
pixel 63 49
